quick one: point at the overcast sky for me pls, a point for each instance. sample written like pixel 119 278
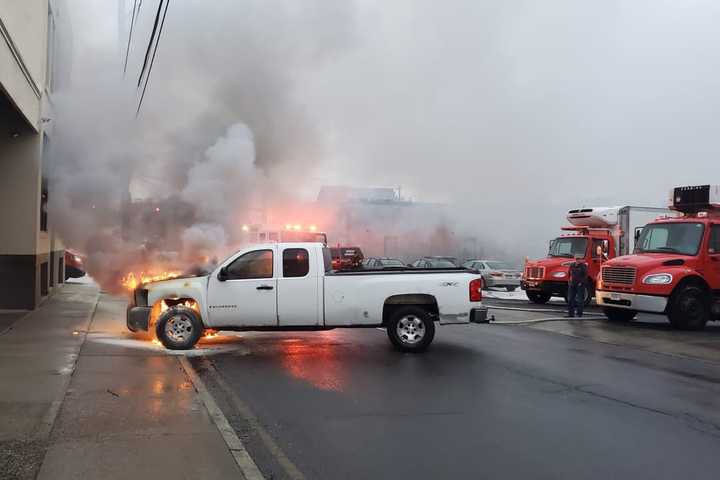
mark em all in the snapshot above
pixel 515 111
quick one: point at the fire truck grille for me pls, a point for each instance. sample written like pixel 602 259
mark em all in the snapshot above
pixel 534 273
pixel 619 275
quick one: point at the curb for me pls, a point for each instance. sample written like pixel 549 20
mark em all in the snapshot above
pixel 242 458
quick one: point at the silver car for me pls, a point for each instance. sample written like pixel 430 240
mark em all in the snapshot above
pixel 496 273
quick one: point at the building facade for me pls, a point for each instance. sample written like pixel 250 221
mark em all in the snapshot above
pixel 31 256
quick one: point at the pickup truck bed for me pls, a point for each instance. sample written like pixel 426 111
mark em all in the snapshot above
pixel 291 286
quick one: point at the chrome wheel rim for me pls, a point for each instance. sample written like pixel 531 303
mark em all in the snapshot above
pixel 178 328
pixel 410 329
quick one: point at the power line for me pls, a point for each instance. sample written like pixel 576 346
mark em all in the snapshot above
pixel 132 23
pixel 150 43
pixel 152 61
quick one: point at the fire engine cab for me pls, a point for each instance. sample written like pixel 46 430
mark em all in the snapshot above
pixel 598 234
pixel 675 269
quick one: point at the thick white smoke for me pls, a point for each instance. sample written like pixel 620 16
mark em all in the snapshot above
pixel 168 188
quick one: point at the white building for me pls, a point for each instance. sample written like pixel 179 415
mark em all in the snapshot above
pixel 31 257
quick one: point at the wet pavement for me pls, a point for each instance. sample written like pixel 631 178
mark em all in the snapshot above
pixel 37 355
pixel 532 395
pixel 8 319
pixel 486 401
pixel 131 412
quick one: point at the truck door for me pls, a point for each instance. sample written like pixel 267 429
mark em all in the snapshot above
pixel 299 285
pixel 245 295
pixel 595 259
pixel 713 270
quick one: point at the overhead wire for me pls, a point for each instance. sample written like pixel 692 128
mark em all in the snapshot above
pixel 132 24
pixel 150 43
pixel 152 61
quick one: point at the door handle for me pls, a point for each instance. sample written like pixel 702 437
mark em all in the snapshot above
pixel 265 287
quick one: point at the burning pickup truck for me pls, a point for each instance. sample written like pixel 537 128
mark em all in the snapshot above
pixel 292 286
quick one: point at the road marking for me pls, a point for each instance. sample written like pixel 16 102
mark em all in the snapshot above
pixel 287 465
pixel 242 458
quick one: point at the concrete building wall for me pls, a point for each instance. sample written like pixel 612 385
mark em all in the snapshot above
pixel 23 54
pixel 30 253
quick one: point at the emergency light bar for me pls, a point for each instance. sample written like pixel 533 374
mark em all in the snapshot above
pixel 692 199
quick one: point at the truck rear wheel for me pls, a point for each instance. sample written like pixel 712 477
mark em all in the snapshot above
pixel 411 329
pixel 619 314
pixel 179 328
pixel 538 297
pixel 689 308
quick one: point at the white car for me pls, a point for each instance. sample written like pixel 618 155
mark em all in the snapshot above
pixel 496 274
pixel 291 286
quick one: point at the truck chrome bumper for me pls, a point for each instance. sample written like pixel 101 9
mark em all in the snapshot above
pixel 631 301
pixel 138 318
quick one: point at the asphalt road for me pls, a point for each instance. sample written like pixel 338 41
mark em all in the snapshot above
pixel 486 401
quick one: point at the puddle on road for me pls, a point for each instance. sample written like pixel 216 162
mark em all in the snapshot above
pixel 223 342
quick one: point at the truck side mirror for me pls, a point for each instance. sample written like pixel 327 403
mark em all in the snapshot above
pixel 222 275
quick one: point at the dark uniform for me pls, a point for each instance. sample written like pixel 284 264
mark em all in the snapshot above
pixel 576 288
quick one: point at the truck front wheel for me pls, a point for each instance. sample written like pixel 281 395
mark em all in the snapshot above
pixel 689 308
pixel 411 329
pixel 538 297
pixel 619 314
pixel 179 328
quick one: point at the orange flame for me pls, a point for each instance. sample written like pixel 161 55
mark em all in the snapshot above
pixel 132 281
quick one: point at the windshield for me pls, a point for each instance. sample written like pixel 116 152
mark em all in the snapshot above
pixel 680 238
pixel 389 262
pixel 568 247
pixel 438 263
pixel 499 266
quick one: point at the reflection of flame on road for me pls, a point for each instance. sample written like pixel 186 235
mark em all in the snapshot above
pixel 316 363
pixel 132 281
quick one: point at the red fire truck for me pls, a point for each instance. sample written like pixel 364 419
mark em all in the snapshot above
pixel 596 233
pixel 675 269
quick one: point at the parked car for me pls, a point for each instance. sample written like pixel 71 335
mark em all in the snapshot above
pixel 292 286
pixel 74 267
pixel 496 273
pixel 381 263
pixel 346 258
pixel 436 262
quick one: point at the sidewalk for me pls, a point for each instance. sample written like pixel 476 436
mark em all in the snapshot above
pixel 88 406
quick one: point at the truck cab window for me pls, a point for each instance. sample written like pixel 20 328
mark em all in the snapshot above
pixel 714 245
pixel 296 262
pixel 257 264
pixel 595 244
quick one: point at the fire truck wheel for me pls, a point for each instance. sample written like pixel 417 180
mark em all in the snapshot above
pixel 411 329
pixel 179 328
pixel 619 314
pixel 689 308
pixel 538 297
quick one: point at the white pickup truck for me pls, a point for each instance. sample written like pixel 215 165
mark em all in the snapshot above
pixel 291 286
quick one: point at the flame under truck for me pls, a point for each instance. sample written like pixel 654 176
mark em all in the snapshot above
pixel 597 234
pixel 675 269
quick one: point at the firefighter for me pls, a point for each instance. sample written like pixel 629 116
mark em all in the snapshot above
pixel 576 286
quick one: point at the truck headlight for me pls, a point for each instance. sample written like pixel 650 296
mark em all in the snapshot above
pixel 657 279
pixel 559 274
